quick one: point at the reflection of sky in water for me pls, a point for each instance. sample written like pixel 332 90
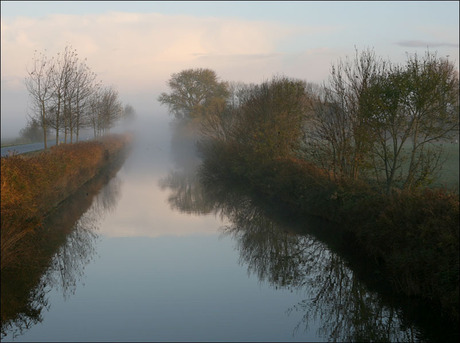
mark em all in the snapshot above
pixel 169 288
pixel 147 213
pixel 142 209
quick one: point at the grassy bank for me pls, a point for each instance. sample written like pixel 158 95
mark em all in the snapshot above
pixel 27 278
pixel 33 185
pixel 412 237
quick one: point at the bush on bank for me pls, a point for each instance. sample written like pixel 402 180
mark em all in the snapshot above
pixel 416 235
pixel 31 186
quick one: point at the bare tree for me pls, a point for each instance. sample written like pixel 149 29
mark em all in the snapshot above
pixel 84 87
pixel 67 98
pixel 106 110
pixel 62 78
pixel 70 77
pixel 111 108
pixel 40 87
pixel 94 116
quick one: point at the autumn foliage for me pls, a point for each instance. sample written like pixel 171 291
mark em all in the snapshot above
pixel 32 185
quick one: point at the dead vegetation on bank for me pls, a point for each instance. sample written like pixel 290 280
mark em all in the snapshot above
pixel 31 186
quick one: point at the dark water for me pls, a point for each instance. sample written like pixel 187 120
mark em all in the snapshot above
pixel 146 253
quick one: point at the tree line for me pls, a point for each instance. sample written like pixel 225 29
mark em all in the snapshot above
pixel 67 97
pixel 373 120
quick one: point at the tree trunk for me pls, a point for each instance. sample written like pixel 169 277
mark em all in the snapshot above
pixel 57 119
pixel 410 175
pixel 44 124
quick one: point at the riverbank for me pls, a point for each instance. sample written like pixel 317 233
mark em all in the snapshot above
pixel 26 281
pixel 412 238
pixel 33 185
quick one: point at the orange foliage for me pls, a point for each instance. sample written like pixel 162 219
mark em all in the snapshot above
pixel 31 186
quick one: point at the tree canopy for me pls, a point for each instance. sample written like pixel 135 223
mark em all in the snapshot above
pixel 374 120
pixel 385 122
pixel 194 92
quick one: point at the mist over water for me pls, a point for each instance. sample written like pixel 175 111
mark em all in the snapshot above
pixel 151 145
pixel 170 262
pixel 157 151
pixel 157 145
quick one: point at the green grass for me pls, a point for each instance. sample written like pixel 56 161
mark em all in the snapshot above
pixel 449 173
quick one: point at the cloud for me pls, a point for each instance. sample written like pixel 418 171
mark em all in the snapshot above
pixel 134 48
pixel 424 44
pixel 138 52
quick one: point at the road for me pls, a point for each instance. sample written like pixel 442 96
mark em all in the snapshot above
pixel 21 149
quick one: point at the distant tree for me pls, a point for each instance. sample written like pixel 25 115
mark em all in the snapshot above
pixel 111 108
pixel 129 114
pixel 33 132
pixel 94 114
pixel 105 110
pixel 85 85
pixel 194 93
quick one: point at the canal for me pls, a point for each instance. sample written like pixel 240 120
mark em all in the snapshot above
pixel 145 253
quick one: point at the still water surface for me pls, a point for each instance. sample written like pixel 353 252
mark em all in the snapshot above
pixel 153 258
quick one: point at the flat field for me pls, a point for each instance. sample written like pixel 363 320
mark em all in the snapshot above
pixel 449 173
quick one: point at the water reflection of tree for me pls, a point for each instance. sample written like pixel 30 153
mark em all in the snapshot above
pixel 186 193
pixel 346 309
pixel 68 264
pixel 58 255
pixel 186 190
pixel 64 270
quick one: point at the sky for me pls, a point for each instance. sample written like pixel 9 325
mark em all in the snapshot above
pixel 135 46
